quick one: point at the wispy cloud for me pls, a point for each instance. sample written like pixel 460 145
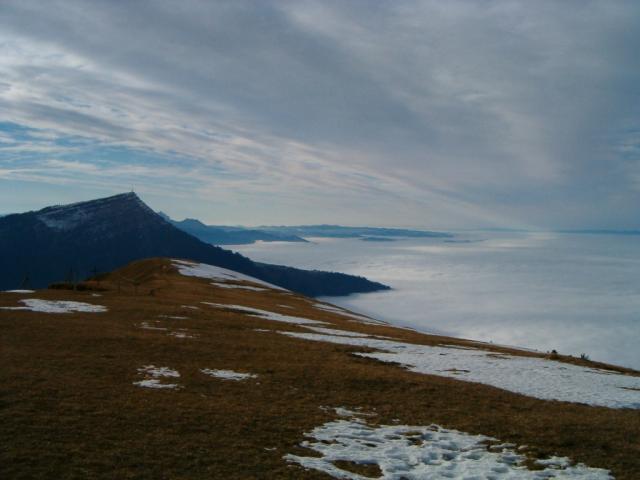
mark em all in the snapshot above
pixel 447 113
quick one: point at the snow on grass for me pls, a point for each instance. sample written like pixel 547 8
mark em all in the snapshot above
pixel 345 313
pixel 155 383
pixel 202 270
pixel 158 372
pixel 346 412
pixel 340 311
pixel 532 376
pixel 239 287
pixel 267 315
pixel 19 291
pixel 154 375
pixel 331 331
pixel 432 452
pixel 173 317
pixel 228 374
pixel 182 334
pixel 149 326
pixel 57 306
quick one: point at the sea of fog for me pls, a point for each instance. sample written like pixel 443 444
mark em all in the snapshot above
pixel 573 293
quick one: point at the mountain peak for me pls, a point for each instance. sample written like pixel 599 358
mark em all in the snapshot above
pixel 71 216
pixel 103 234
pixel 193 222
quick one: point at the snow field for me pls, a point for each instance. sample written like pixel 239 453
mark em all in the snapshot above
pixel 154 375
pixel 228 374
pixel 531 376
pixel 149 326
pixel 202 270
pixel 239 287
pixel 345 313
pixel 331 331
pixel 56 306
pixel 425 453
pixel 267 315
pixel 182 334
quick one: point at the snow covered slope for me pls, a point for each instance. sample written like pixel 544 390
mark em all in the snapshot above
pixel 427 453
pixel 212 272
pixel 532 376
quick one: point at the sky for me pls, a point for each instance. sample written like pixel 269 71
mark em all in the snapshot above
pixel 429 114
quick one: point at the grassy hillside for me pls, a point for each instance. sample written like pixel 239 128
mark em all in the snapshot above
pixel 70 406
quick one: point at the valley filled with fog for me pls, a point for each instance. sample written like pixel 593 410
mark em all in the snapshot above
pixel 575 293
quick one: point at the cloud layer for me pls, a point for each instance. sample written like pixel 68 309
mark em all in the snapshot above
pixel 446 114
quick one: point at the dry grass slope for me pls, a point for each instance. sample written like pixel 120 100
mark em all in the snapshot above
pixel 69 408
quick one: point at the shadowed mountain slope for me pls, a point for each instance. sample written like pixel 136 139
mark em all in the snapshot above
pixel 72 241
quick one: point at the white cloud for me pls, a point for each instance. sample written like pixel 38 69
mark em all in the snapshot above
pixel 488 112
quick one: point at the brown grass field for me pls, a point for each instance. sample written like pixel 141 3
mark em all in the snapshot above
pixel 69 408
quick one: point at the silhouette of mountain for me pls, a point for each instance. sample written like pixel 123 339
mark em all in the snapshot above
pixel 226 235
pixel 72 241
pixel 339 231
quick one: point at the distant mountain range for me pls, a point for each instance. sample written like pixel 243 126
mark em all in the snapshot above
pixel 227 235
pixel 588 231
pixel 338 231
pixel 71 241
pixel 603 232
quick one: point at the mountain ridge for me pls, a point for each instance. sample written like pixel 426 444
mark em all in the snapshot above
pixel 239 235
pixel 71 241
pixel 228 235
pixel 341 231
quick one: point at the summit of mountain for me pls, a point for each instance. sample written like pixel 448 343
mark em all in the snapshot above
pixel 70 242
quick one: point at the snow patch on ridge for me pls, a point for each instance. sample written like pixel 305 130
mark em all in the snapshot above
pixel 431 452
pixel 65 218
pixel 212 272
pixel 354 316
pixel 532 376
pixel 56 306
pixel 267 315
pixel 331 331
pixel 239 287
pixel 149 326
pixel 155 383
pixel 345 313
pixel 228 374
pixel 154 375
pixel 182 334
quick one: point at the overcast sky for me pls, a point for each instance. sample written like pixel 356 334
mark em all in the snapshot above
pixel 435 114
